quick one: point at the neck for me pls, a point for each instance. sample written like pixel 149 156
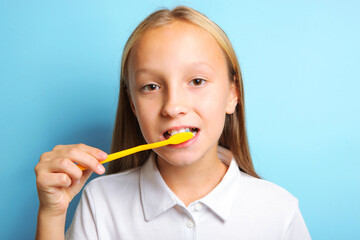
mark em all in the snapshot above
pixel 196 180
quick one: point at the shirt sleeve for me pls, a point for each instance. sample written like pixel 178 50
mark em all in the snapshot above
pixel 83 225
pixel 296 229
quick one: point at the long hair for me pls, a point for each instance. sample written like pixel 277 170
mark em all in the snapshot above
pixel 127 131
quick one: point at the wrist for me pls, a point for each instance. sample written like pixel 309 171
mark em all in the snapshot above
pixel 50 225
pixel 52 212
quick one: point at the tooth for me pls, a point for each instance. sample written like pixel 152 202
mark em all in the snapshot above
pixel 173 131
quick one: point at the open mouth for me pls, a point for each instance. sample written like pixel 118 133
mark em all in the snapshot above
pixel 171 132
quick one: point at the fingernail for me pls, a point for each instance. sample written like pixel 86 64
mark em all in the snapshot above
pixel 103 155
pixel 101 168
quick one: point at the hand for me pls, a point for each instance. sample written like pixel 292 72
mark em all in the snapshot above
pixel 59 179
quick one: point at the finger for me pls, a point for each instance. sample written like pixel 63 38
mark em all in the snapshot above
pixel 58 147
pixel 95 152
pixel 86 174
pixel 64 149
pixel 64 165
pixel 58 180
pixel 79 154
pixel 46 156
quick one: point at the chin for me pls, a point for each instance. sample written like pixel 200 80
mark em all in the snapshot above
pixel 178 159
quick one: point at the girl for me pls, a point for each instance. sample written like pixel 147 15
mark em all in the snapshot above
pixel 179 73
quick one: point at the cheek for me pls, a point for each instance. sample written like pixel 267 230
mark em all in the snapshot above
pixel 214 99
pixel 213 107
pixel 146 115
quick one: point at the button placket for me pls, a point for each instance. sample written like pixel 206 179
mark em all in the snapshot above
pixel 190 223
pixel 190 228
pixel 197 207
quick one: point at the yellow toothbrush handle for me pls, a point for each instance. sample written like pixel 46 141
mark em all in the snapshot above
pixel 130 151
pixel 134 150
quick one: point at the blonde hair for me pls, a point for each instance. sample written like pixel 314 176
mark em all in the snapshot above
pixel 127 132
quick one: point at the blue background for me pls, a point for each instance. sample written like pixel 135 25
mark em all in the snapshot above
pixel 59 80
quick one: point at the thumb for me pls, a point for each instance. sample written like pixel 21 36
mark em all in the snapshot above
pixel 75 188
pixel 86 174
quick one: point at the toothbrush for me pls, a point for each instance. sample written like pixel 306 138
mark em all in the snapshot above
pixel 174 139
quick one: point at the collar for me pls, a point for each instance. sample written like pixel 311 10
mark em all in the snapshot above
pixel 221 199
pixel 157 197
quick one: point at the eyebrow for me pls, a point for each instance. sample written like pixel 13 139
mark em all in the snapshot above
pixel 202 64
pixel 190 67
pixel 145 71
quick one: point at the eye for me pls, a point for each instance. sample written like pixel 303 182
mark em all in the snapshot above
pixel 197 82
pixel 151 87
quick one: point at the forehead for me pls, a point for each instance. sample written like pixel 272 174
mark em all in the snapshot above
pixel 174 45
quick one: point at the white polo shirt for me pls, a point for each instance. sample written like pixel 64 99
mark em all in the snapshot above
pixel 137 204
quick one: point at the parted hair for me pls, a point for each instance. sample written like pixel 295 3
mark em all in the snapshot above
pixel 127 133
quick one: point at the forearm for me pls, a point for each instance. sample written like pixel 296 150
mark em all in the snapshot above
pixel 50 226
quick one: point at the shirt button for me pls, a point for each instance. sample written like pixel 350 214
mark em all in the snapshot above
pixel 190 224
pixel 198 207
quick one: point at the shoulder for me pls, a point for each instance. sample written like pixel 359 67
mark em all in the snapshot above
pixel 274 208
pixel 266 193
pixel 118 182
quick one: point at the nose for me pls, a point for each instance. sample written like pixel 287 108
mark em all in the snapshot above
pixel 175 103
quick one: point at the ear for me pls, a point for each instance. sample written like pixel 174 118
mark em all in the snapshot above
pixel 132 106
pixel 232 98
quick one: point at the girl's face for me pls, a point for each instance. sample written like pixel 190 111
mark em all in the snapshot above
pixel 178 80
